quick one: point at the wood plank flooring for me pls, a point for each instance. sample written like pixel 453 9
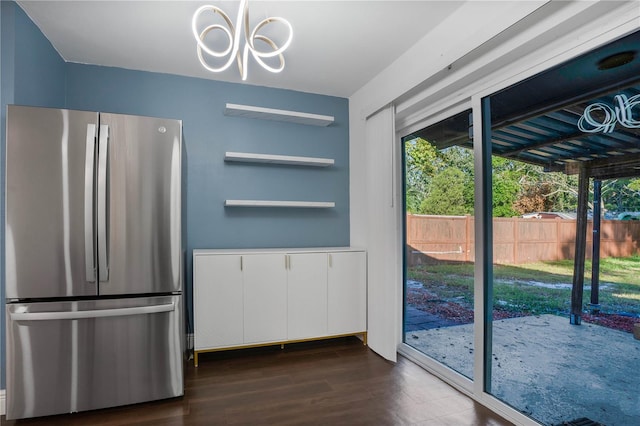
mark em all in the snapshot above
pixel 334 382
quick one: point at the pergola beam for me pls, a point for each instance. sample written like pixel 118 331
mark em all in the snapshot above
pixel 623 163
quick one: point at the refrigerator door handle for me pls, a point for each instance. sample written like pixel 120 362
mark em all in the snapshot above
pixel 103 145
pixel 89 173
pixel 98 313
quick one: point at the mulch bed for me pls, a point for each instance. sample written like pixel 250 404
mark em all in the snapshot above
pixel 614 321
pixel 453 311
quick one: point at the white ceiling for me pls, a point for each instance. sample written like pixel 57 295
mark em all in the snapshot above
pixel 338 46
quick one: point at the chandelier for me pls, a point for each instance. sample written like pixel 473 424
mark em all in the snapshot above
pixel 232 33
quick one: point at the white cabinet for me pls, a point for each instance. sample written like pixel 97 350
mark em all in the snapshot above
pixel 219 281
pixel 257 297
pixel 265 298
pixel 347 292
pixel 307 295
pixel 239 299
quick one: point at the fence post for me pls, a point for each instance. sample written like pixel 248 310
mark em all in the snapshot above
pixel 467 231
pixel 558 241
pixel 515 224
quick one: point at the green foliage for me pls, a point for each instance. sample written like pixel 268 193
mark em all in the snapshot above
pixel 447 194
pixel 621 195
pixel 505 187
pixel 420 158
pixel 438 181
pixel 634 185
pixel 442 182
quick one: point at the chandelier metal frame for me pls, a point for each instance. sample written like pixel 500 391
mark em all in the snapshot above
pixel 233 33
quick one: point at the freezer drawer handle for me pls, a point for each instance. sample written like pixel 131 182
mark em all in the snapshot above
pixel 98 313
pixel 89 243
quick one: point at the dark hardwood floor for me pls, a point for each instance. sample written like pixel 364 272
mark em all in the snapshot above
pixel 334 382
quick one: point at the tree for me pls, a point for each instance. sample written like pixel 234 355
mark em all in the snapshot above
pixel 442 182
pixel 634 185
pixel 533 198
pixel 462 160
pixel 545 191
pixel 420 157
pixel 447 194
pixel 505 187
pixel 621 195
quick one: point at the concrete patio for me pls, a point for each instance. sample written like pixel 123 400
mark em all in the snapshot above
pixel 549 369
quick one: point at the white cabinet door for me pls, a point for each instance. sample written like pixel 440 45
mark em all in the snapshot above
pixel 307 295
pixel 217 301
pixel 265 298
pixel 347 293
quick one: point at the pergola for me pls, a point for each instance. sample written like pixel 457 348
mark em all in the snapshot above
pixel 581 117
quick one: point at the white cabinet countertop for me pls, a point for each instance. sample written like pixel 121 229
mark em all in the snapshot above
pixel 276 250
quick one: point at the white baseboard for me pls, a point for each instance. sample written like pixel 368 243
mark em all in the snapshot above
pixel 3 402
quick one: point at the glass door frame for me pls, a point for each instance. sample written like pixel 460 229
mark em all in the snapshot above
pixel 479 387
pixel 459 381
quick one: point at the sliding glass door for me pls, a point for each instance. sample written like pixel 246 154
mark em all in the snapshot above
pixel 439 241
pixel 522 253
pixel 565 252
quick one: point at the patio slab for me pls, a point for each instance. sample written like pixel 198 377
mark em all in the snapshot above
pixel 549 369
pixel 415 319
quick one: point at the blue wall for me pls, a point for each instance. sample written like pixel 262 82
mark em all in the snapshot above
pixel 207 133
pixel 32 74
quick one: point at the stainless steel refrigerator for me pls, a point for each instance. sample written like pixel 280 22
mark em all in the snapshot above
pixel 93 260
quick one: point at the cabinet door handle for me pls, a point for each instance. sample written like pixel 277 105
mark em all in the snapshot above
pixel 330 261
pixel 241 263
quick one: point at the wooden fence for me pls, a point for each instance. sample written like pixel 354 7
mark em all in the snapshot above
pixel 515 240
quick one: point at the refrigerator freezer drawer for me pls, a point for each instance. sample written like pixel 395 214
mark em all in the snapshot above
pixel 65 357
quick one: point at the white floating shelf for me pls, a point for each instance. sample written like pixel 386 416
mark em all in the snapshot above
pixel 246 157
pixel 278 115
pixel 265 203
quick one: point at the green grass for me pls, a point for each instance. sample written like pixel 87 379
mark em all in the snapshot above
pixel 619 281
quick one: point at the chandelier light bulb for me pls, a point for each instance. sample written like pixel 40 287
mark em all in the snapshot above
pixel 232 35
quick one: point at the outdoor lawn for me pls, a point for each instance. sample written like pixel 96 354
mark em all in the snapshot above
pixel 530 289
